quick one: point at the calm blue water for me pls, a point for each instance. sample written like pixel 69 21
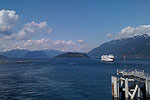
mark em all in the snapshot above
pixel 61 79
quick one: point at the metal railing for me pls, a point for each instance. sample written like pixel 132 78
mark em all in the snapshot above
pixel 134 72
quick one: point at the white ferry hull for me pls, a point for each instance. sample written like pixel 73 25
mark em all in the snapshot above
pixel 107 58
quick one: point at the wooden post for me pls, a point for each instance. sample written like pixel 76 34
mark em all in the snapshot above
pixel 115 87
pixel 126 88
pixel 146 84
pixel 138 95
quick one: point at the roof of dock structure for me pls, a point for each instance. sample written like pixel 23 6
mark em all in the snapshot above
pixel 137 74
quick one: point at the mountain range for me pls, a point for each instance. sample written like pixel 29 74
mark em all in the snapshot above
pixel 137 46
pixel 3 57
pixel 35 54
pixel 24 53
pixel 16 53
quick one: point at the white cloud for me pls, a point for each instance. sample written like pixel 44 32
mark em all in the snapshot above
pixel 29 30
pixel 36 44
pixel 70 43
pixel 8 19
pixel 44 43
pixel 49 30
pixel 109 35
pixel 64 45
pixel 59 42
pixel 25 38
pixel 80 41
pixel 134 31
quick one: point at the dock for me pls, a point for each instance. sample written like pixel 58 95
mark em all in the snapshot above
pixel 130 84
pixel 3 61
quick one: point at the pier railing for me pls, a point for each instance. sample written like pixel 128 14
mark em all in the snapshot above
pixel 134 72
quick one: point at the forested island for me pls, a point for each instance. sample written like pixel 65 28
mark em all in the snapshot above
pixel 72 55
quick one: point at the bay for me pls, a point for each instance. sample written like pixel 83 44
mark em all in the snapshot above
pixel 62 78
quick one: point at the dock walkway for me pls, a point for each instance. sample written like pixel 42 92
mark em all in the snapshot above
pixel 137 74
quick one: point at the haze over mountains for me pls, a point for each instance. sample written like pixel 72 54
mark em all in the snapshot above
pixel 137 46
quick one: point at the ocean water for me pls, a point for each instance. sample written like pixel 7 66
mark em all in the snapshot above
pixel 62 78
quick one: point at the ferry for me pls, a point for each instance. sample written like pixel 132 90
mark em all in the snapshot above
pixel 107 58
pixel 29 61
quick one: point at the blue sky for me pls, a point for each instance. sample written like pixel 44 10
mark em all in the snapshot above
pixel 87 20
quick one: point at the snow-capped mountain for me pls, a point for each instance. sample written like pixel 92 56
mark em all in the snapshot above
pixel 134 46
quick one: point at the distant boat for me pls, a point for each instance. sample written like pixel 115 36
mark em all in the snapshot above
pixel 29 61
pixel 107 58
pixel 3 61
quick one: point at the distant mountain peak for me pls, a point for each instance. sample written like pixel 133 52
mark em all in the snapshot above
pixel 35 54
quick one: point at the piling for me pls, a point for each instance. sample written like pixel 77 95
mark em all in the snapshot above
pixel 130 84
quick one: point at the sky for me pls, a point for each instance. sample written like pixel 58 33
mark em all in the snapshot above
pixel 70 25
